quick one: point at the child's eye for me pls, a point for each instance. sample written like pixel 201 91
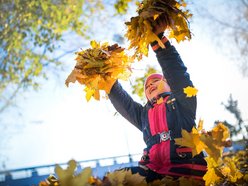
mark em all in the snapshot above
pixel 156 80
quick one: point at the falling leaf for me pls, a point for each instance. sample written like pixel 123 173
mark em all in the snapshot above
pixel 190 91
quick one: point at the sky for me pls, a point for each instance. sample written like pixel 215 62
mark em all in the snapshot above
pixel 56 123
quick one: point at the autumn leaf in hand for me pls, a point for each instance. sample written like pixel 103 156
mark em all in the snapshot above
pixel 140 28
pixel 99 67
pixel 190 91
pixel 192 140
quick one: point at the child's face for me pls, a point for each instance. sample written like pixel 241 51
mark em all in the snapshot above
pixel 156 86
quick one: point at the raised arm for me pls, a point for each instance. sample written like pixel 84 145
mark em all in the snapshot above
pixel 174 70
pixel 125 105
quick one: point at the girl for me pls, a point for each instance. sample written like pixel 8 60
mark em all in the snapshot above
pixel 162 119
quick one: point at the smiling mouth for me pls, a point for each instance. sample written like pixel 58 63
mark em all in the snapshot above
pixel 152 89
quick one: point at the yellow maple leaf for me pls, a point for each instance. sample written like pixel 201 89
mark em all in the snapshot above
pixel 191 140
pixel 190 91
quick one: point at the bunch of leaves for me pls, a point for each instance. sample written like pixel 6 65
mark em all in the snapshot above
pixel 99 67
pixel 140 28
pixel 219 170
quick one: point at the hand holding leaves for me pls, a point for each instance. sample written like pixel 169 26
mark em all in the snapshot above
pixel 154 16
pixel 99 67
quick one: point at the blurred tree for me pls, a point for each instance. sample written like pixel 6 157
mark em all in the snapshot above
pixel 240 127
pixel 30 34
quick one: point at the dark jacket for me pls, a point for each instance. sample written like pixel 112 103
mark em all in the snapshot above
pixel 180 110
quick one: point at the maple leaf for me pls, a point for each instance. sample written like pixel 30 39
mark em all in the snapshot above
pixel 190 91
pixel 82 178
pixel 68 177
pixel 191 140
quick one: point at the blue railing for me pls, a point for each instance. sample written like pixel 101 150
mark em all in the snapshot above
pixel 34 175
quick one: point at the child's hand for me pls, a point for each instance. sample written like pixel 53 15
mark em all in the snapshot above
pixel 160 24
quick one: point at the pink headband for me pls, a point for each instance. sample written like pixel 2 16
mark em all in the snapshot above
pixel 152 76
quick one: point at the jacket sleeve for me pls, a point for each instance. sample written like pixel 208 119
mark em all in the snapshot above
pixel 177 77
pixel 125 105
